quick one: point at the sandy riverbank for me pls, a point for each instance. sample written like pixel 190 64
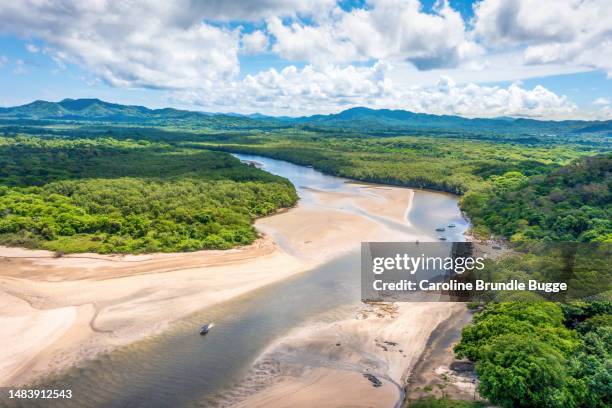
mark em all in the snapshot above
pixel 58 311
pixel 438 373
pixel 323 364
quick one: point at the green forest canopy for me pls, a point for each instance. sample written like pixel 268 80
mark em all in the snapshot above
pixel 571 203
pixel 526 356
pixel 105 195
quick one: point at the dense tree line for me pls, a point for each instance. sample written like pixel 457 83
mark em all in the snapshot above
pixel 527 356
pixel 545 350
pixel 106 195
pixel 572 203
pixel 546 354
pixel 450 165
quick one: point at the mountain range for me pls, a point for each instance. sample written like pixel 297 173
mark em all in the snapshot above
pixel 358 119
pixel 95 110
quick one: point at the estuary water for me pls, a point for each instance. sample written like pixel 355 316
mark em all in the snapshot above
pixel 180 368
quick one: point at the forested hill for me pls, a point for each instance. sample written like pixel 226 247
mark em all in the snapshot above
pixel 88 110
pixel 365 119
pixel 359 119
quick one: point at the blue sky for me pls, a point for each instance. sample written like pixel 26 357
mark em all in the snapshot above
pixel 527 58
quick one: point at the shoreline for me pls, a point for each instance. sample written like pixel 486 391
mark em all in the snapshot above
pixel 107 301
pixel 438 373
pixel 434 373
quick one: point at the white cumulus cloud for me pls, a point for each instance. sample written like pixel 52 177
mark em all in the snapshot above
pixel 255 42
pixel 293 90
pixel 250 10
pixel 473 100
pixel 553 31
pixel 313 89
pixel 385 30
pixel 605 113
pixel 132 44
pixel 32 48
pixel 601 101
pixel 193 48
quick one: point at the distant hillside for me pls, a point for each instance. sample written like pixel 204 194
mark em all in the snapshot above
pixel 97 110
pixel 365 119
pixel 359 119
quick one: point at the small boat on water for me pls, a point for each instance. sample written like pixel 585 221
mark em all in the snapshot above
pixel 442 238
pixel 451 225
pixel 206 328
pixel 440 229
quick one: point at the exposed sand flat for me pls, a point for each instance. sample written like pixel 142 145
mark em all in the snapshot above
pixel 384 340
pixel 44 265
pixel 323 387
pixel 312 233
pixel 65 309
pixel 25 329
pixel 385 201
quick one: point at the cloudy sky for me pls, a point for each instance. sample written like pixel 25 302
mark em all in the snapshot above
pixel 530 58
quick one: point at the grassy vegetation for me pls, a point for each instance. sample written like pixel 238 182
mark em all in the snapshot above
pixel 106 195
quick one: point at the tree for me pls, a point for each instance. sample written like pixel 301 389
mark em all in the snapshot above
pixel 519 370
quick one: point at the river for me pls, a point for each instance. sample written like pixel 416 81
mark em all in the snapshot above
pixel 179 368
